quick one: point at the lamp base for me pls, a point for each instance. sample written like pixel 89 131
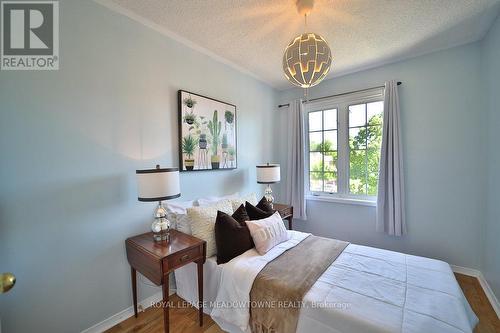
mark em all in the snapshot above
pixel 268 194
pixel 161 226
pixel 161 237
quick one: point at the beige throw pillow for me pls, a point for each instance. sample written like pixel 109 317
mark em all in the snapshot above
pixel 202 221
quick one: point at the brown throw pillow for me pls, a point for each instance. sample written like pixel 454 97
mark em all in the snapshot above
pixel 241 215
pixel 232 238
pixel 265 205
pixel 256 213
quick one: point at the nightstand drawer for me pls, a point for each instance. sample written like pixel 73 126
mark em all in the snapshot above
pixel 181 258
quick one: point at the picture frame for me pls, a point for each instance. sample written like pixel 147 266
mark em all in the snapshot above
pixel 207 133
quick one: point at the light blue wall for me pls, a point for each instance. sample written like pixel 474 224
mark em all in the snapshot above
pixel 71 139
pixel 70 142
pixel 491 75
pixel 444 139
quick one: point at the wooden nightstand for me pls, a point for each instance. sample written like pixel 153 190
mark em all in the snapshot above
pixel 156 260
pixel 286 212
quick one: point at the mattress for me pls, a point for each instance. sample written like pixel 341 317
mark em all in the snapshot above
pixel 365 290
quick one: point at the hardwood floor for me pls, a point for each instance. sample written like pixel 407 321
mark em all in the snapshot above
pixel 184 319
pixel 488 320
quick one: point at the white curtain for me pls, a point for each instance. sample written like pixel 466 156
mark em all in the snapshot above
pixel 295 195
pixel 391 193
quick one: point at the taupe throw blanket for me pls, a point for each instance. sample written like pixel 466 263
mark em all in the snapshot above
pixel 278 290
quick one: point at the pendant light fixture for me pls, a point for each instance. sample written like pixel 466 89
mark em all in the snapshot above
pixel 307 59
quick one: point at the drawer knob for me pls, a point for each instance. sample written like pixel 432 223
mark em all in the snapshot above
pixel 185 257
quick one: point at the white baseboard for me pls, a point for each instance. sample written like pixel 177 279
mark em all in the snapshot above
pixel 489 293
pixel 465 271
pixel 124 314
pixel 484 284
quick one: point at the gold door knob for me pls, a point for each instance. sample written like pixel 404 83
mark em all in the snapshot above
pixel 7 281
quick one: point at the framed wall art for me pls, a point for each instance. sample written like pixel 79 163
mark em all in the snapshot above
pixel 207 133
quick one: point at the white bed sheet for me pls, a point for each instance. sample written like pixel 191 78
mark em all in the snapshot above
pixel 186 280
pixel 365 290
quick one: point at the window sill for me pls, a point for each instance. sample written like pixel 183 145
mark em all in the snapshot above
pixel 349 201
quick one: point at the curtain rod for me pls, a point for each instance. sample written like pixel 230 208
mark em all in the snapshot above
pixel 346 93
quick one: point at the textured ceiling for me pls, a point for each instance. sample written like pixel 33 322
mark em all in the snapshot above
pixel 252 34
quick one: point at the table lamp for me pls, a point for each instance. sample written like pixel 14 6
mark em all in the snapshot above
pixel 158 185
pixel 268 174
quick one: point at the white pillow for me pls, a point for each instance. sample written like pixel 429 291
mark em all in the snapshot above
pixel 208 201
pixel 251 198
pixel 202 221
pixel 176 214
pixel 178 207
pixel 268 232
pixel 182 224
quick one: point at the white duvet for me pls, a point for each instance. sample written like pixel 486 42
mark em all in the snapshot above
pixel 364 290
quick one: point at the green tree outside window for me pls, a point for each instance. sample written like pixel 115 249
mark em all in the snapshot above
pixel 364 159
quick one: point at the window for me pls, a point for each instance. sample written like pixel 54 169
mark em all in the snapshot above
pixel 344 136
pixel 323 151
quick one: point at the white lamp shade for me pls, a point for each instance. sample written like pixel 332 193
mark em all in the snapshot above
pixel 268 173
pixel 158 184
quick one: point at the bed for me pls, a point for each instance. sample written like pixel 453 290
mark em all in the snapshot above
pixel 365 290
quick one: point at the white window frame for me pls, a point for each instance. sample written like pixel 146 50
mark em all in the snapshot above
pixel 341 103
